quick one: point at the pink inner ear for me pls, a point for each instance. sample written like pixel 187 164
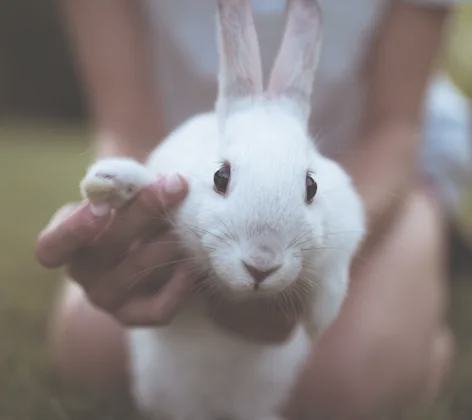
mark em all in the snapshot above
pixel 240 63
pixel 296 62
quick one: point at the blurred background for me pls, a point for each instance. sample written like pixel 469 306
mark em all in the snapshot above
pixel 44 149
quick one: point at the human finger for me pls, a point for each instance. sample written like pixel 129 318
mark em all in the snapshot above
pixel 110 287
pixel 72 227
pixel 160 308
pixel 145 215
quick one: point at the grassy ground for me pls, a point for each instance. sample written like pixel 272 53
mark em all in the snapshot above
pixel 39 170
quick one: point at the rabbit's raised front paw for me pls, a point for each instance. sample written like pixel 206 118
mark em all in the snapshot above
pixel 111 183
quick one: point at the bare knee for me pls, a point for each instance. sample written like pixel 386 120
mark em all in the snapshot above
pixel 405 284
pixel 362 380
pixel 87 346
pixel 377 352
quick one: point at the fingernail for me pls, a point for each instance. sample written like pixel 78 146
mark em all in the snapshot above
pixel 61 215
pixel 99 210
pixel 64 213
pixel 173 184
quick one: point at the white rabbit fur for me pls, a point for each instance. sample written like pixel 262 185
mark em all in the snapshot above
pixel 192 369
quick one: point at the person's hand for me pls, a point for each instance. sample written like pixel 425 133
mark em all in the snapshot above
pixel 114 257
pixel 256 320
pixel 108 259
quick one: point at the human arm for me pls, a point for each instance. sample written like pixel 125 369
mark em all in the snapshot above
pixel 402 60
pixel 112 52
pixel 109 42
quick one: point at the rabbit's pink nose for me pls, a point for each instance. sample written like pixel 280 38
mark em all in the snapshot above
pixel 258 273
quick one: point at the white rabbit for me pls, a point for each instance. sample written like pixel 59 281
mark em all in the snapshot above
pixel 266 218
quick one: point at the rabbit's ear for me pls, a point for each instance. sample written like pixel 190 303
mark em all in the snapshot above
pixel 297 60
pixel 240 73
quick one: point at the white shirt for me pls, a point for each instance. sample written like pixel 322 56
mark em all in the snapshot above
pixel 184 40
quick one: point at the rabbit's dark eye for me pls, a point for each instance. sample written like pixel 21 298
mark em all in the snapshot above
pixel 311 188
pixel 221 178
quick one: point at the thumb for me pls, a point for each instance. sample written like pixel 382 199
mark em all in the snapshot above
pixel 63 213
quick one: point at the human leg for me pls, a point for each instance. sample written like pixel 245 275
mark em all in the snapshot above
pixel 88 346
pixel 389 345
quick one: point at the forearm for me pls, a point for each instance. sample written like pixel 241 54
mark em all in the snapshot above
pixel 111 50
pixel 402 61
pixel 384 172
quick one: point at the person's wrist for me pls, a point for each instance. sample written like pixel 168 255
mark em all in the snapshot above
pixel 383 168
pixel 110 145
pixel 138 146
